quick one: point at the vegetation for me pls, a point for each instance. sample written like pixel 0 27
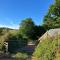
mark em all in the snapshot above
pixel 18 39
pixel 4 33
pixel 16 42
pixel 49 48
pixel 46 49
pixel 26 28
pixel 29 30
pixel 22 56
pixel 52 18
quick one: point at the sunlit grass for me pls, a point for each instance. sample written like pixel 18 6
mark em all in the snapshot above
pixel 46 50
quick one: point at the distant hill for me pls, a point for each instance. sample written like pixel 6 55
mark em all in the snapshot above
pixel 49 46
pixel 3 30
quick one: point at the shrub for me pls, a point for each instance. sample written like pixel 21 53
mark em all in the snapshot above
pixel 22 56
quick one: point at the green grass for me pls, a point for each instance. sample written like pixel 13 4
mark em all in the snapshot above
pixel 46 49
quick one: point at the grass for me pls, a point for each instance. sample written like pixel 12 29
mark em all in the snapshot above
pixel 46 50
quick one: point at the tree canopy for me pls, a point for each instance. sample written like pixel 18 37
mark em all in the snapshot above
pixel 52 18
pixel 29 30
pixel 26 28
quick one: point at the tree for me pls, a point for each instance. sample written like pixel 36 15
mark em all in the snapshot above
pixel 38 31
pixel 52 18
pixel 26 28
pixel 29 30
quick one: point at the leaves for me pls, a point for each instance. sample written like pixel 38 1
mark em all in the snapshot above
pixel 52 18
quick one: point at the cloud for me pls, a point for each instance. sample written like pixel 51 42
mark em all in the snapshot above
pixel 10 26
pixel 8 22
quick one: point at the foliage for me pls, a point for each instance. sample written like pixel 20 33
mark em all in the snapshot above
pixel 3 36
pixel 52 18
pixel 22 56
pixel 38 31
pixel 46 49
pixel 26 28
pixel 16 42
pixel 29 30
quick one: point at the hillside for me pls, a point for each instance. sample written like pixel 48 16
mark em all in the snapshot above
pixel 49 46
pixel 4 29
pixel 4 33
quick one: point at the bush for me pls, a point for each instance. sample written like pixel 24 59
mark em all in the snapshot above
pixel 22 56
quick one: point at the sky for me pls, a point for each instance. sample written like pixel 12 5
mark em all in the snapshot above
pixel 12 12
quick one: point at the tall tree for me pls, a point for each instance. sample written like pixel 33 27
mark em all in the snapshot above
pixel 52 18
pixel 26 28
pixel 29 30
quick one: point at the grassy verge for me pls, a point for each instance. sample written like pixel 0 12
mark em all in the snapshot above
pixel 46 50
